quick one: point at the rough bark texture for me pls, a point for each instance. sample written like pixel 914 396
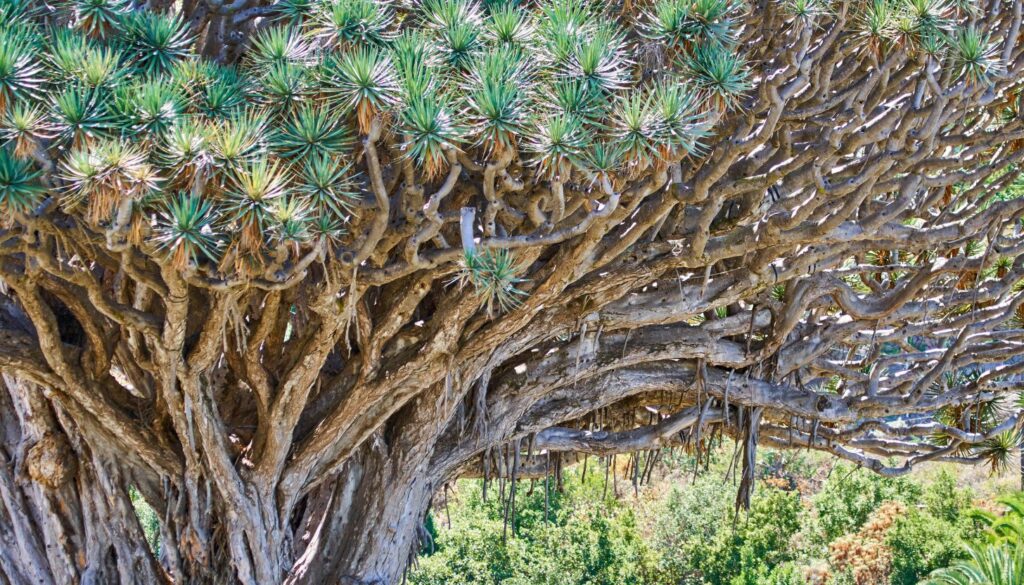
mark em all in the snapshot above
pixel 835 255
pixel 65 515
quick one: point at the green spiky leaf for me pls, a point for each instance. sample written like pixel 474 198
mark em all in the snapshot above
pixel 20 185
pixel 312 130
pixel 184 230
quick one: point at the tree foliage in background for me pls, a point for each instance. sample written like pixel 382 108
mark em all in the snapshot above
pixel 287 267
pixel 845 502
pixel 580 535
pixel 684 530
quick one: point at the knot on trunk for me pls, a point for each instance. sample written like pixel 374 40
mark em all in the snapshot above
pixel 51 461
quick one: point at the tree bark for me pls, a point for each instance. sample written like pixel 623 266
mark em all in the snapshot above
pixel 65 513
pixel 372 525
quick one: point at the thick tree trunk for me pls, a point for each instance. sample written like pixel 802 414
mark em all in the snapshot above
pixel 372 526
pixel 65 513
pixel 377 505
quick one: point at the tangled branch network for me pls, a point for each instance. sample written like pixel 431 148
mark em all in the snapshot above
pixel 253 242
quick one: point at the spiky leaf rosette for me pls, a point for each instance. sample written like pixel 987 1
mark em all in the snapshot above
pixel 214 91
pixel 104 175
pixel 557 144
pixel 185 231
pixel 346 23
pixel 509 24
pixel 276 46
pixel 156 41
pixel 974 55
pixel 494 276
pixel 327 184
pixel 254 188
pixel 283 87
pixel 148 109
pixel 237 140
pixel 82 114
pixel 719 72
pixel 312 131
pixel 364 82
pixel 635 129
pixel 25 127
pixel 431 132
pixel 186 150
pixel 20 187
pixel 99 18
pixel 21 72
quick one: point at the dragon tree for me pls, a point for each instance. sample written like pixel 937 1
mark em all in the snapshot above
pixel 283 269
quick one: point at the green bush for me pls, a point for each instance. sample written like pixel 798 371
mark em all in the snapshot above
pixel 690 518
pixel 702 540
pixel 759 544
pixel 786 574
pixel 922 542
pixel 585 539
pixel 851 494
pixel 931 536
pixel 942 499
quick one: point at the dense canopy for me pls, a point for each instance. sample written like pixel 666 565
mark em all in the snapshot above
pixel 285 268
